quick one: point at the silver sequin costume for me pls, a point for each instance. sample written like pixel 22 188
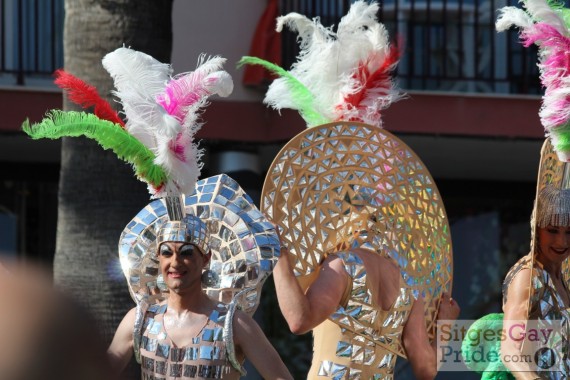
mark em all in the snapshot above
pixel 546 307
pixel 204 358
pixel 360 354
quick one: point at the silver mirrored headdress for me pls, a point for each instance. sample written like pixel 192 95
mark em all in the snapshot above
pixel 188 230
pixel 243 243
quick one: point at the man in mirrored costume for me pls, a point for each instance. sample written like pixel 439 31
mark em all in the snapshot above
pixel 196 257
pixel 201 260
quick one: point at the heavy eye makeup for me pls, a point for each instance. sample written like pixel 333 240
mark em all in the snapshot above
pixel 185 250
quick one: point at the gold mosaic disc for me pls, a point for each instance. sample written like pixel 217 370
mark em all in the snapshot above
pixel 336 181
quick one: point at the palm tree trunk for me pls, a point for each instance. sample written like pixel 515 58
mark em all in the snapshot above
pixel 98 194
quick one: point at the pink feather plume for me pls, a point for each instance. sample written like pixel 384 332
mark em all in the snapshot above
pixel 181 93
pixel 555 71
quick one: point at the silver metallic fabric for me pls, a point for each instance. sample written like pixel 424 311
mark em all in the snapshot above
pixel 204 357
pixel 228 335
pixel 243 242
pixel 174 207
pixel 361 316
pixel 141 310
pixel 547 307
pixel 343 349
pixel 551 207
pixel 189 229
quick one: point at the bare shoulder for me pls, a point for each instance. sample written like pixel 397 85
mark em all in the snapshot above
pixel 128 323
pixel 121 348
pixel 125 329
pixel 386 262
pixel 332 272
pixel 378 266
pixel 335 263
pixel 243 320
pixel 516 305
pixel 131 316
pixel 520 284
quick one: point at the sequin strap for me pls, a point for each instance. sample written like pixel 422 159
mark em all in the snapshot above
pixel 228 335
pixel 141 310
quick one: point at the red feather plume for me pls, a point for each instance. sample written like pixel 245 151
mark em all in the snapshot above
pixel 379 79
pixel 86 96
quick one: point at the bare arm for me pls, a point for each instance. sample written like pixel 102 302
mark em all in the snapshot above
pixel 121 349
pixel 421 353
pixel 515 311
pixel 253 343
pixel 304 311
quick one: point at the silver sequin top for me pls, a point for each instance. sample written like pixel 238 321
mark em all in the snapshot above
pixel 368 353
pixel 547 307
pixel 204 358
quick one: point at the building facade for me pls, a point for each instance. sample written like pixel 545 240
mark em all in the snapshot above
pixel 471 114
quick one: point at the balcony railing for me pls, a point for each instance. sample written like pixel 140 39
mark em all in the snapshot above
pixel 31 40
pixel 449 45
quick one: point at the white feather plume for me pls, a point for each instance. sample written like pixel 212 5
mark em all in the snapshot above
pixel 327 62
pixel 542 12
pixel 317 48
pixel 512 16
pixel 220 83
pixel 138 79
pixel 184 98
pixel 163 112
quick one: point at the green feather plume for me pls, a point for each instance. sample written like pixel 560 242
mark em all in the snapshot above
pixel 109 135
pixel 560 138
pixel 490 370
pixel 300 94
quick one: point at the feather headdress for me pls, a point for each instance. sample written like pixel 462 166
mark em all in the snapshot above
pixel 342 76
pixel 546 24
pixel 161 116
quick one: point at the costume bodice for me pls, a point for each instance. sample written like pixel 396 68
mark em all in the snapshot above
pixel 545 302
pixel 547 308
pixel 204 358
pixel 345 350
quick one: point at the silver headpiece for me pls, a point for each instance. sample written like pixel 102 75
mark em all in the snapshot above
pixel 189 230
pixel 243 242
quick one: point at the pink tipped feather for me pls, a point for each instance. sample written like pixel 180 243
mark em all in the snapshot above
pixel 181 93
pixel 187 91
pixel 555 72
pixel 86 96
pixel 182 98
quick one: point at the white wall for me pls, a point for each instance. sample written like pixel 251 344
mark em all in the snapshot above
pixel 216 27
